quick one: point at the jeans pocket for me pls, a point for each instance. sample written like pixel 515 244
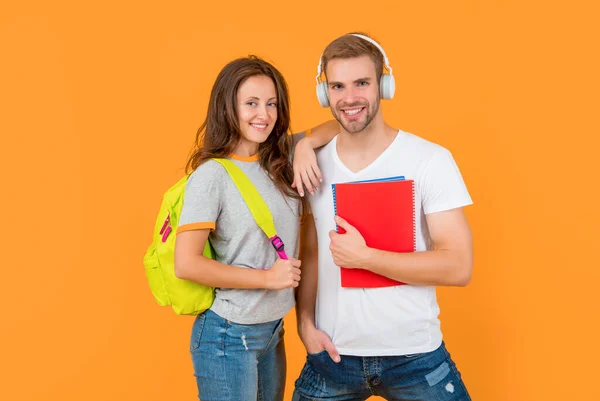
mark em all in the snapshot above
pixel 197 332
pixel 322 364
pixel 317 355
pixel 275 338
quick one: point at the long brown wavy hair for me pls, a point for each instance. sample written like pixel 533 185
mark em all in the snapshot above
pixel 218 136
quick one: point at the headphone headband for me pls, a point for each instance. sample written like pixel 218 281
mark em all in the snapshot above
pixel 368 39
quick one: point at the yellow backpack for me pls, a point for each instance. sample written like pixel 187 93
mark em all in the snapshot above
pixel 186 297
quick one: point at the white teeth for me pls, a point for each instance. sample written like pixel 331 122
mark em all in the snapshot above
pixel 352 112
pixel 259 126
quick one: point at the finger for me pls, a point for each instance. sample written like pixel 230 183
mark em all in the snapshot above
pixel 296 271
pixel 313 178
pixel 295 262
pixel 317 172
pixel 332 351
pixel 296 277
pixel 295 284
pixel 298 183
pixel 306 181
pixel 294 180
pixel 332 234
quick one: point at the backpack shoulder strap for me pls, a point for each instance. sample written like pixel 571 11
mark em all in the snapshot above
pixel 259 209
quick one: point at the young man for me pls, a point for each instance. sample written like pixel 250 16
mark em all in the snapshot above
pixel 378 341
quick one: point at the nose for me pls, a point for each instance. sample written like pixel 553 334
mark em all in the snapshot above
pixel 350 94
pixel 262 111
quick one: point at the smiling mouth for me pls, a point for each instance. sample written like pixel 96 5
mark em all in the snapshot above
pixel 353 111
pixel 259 127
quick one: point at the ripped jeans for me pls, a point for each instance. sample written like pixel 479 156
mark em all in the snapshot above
pixel 238 362
pixel 431 376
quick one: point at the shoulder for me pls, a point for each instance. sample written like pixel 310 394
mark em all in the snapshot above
pixel 296 136
pixel 421 146
pixel 209 168
pixel 209 173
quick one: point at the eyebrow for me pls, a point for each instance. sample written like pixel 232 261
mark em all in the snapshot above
pixel 365 79
pixel 257 98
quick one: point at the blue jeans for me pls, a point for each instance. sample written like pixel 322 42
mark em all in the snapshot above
pixel 430 376
pixel 238 362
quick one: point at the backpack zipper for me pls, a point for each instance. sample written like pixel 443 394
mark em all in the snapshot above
pixel 166 228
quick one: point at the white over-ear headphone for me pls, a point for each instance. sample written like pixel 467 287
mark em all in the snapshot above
pixel 387 84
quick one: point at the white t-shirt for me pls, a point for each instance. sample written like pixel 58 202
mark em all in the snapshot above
pixel 396 320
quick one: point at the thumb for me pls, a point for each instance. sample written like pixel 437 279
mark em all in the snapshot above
pixel 344 224
pixel 332 351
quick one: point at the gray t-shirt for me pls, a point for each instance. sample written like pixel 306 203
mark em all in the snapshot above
pixel 213 201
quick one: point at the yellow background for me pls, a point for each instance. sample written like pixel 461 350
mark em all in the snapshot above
pixel 99 105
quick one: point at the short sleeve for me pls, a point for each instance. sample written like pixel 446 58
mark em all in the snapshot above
pixel 202 198
pixel 297 137
pixel 442 185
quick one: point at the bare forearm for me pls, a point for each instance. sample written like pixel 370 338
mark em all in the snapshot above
pixel 211 273
pixel 307 290
pixel 322 134
pixel 450 264
pixel 307 293
pixel 437 267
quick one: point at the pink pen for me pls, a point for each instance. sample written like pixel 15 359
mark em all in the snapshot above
pixel 279 247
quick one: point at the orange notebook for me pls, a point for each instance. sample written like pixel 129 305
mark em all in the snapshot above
pixel 383 211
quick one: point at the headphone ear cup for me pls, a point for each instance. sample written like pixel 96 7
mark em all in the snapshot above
pixel 387 86
pixel 322 94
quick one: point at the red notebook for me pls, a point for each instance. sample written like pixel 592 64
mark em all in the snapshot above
pixel 383 211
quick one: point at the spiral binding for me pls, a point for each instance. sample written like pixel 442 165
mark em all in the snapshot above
pixel 414 218
pixel 334 206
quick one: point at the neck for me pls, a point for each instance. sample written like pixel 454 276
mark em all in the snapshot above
pixel 376 132
pixel 246 149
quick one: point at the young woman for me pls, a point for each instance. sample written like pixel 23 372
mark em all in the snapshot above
pixel 237 345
